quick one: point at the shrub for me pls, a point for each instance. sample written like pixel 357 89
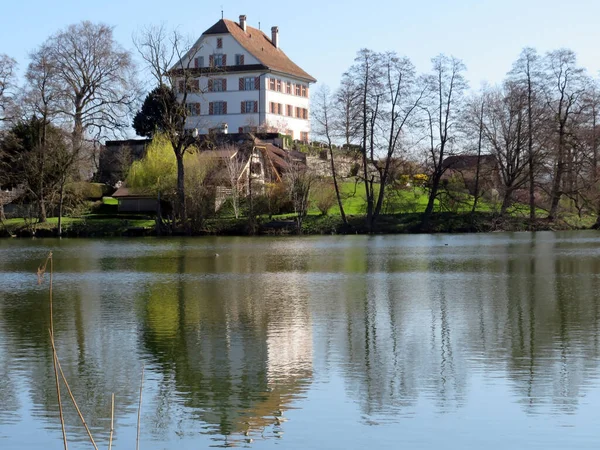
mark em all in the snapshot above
pixel 324 196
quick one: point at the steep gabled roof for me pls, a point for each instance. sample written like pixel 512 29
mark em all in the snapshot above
pixel 261 47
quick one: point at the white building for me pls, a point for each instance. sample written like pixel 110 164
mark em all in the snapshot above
pixel 245 82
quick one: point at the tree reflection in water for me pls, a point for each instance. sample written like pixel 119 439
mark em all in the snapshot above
pixel 233 343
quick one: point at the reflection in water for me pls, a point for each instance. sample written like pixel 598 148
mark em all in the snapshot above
pixel 236 345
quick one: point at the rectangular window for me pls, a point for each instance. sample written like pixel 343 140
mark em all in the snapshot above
pixel 288 87
pixel 218 61
pixel 199 62
pixel 219 108
pixel 249 83
pixel 272 84
pixel 219 42
pixel 304 92
pixel 305 113
pixel 272 107
pixel 193 109
pixel 279 108
pixel 249 106
pixel 219 85
pixel 304 136
pixel 298 90
pixel 278 86
pixel 239 60
pixel 290 111
pixel 298 112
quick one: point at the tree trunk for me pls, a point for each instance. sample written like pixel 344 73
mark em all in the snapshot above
pixel 506 202
pixel 556 192
pixel 60 207
pixel 530 154
pixel 435 185
pixel 478 168
pixel 181 190
pixel 41 209
pixel 335 184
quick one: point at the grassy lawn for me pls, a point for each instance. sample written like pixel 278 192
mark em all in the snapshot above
pixel 110 201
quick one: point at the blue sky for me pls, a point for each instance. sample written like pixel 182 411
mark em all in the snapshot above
pixel 323 37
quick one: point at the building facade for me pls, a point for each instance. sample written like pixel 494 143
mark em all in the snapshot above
pixel 241 81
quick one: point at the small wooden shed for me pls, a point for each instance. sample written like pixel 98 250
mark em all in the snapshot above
pixel 135 203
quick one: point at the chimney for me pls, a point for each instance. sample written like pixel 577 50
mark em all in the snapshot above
pixel 275 36
pixel 243 22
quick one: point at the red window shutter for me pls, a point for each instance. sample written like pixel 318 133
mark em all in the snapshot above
pixel 268 83
pixel 242 109
pixel 211 60
pixel 242 60
pixel 224 60
pixel 240 130
pixel 241 86
pixel 219 42
pixel 210 85
pixel 198 109
pixel 196 84
pixel 255 106
pixel 224 84
pixel 224 107
pixel 306 92
pixel 256 82
pixel 210 108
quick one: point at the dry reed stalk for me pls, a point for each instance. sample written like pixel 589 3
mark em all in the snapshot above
pixel 72 396
pixel 137 441
pixel 112 421
pixel 40 273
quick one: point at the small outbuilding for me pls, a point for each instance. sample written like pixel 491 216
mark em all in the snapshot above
pixel 130 202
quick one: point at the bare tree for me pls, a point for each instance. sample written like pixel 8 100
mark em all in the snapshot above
pixel 97 77
pixel 234 165
pixel 592 140
pixel 299 181
pixel 565 87
pixel 366 77
pixel 403 98
pixel 169 58
pixel 324 119
pixel 347 111
pixel 7 84
pixel 505 128
pixel 446 86
pixel 527 71
pixel 33 162
pixel 473 128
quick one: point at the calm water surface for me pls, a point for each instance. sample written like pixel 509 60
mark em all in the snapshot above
pixel 418 342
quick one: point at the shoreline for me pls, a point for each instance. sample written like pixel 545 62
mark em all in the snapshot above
pixel 408 223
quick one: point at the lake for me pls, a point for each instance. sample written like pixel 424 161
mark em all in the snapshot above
pixel 418 342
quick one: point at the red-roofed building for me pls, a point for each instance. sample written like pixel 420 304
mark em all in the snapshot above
pixel 245 83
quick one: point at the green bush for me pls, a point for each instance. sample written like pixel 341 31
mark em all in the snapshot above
pixel 89 191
